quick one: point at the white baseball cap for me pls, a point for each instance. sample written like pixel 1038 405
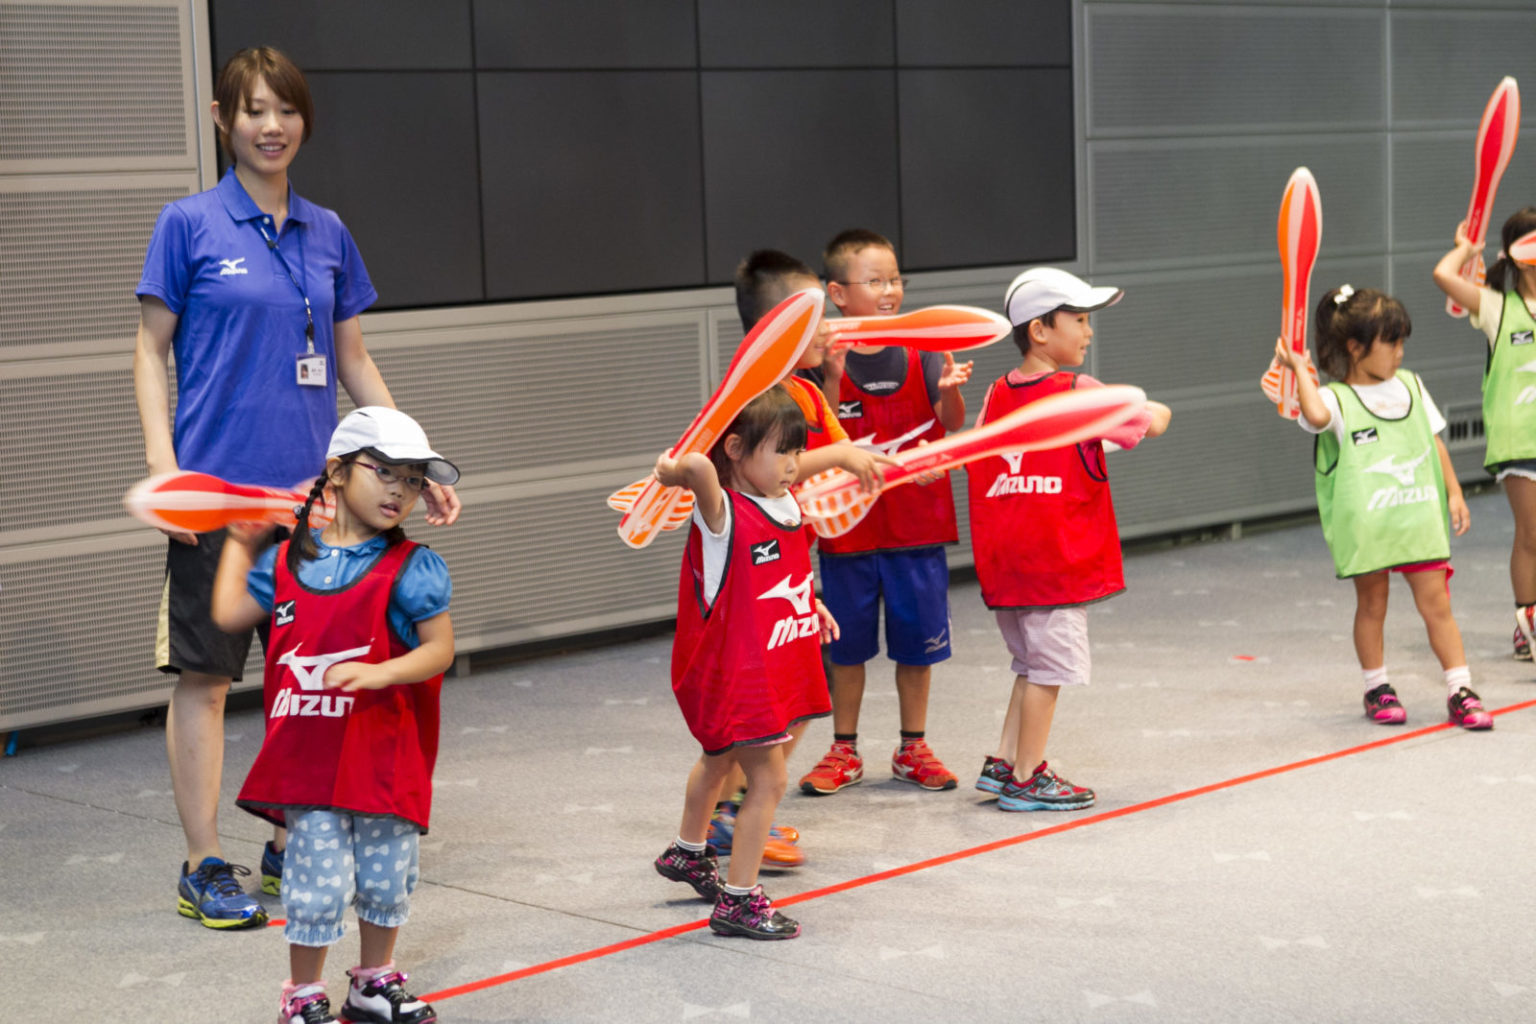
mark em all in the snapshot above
pixel 392 436
pixel 1041 290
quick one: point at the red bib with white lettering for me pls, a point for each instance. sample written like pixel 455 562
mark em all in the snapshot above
pixel 369 752
pixel 748 666
pixel 1042 523
pixel 910 517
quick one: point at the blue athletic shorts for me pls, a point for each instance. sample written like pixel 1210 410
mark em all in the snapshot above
pixel 915 586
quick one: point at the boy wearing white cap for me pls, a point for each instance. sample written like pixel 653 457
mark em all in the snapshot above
pixel 1044 535
pixel 360 640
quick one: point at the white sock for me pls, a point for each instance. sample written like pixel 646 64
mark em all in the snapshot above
pixel 736 890
pixel 1374 677
pixel 690 847
pixel 1456 678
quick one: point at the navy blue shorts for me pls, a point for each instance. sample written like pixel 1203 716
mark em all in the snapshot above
pixel 915 586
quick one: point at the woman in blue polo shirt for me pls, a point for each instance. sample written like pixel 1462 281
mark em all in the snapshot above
pixel 257 291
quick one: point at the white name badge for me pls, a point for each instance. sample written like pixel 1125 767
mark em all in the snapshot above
pixel 311 371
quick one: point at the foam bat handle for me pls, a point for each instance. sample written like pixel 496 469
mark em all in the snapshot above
pixel 835 502
pixel 188 502
pixel 931 329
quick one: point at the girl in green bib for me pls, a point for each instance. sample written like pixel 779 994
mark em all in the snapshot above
pixel 1505 311
pixel 1385 488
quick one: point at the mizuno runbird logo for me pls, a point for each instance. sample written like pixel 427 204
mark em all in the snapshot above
pixel 1403 472
pixel 891 447
pixel 233 266
pixel 803 623
pixel 310 670
pixel 797 594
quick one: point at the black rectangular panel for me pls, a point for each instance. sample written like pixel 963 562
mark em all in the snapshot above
pixel 986 166
pixel 796 34
pixel 591 181
pixel 347 34
pixel 394 155
pixel 512 34
pixel 793 157
pixel 998 33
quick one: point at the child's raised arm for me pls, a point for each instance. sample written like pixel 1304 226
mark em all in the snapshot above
pixel 232 607
pixel 695 472
pixel 865 465
pixel 1464 293
pixel 1299 363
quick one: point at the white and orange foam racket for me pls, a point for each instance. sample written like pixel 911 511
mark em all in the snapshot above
pixel 768 352
pixel 1496 136
pixel 834 502
pixel 1524 250
pixel 188 502
pixel 1298 234
pixel 931 329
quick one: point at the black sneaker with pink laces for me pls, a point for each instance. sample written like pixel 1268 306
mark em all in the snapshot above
pixel 751 916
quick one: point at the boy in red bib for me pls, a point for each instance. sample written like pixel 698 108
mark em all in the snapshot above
pixel 360 640
pixel 1044 535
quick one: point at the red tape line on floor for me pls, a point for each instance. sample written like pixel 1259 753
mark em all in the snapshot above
pixel 922 865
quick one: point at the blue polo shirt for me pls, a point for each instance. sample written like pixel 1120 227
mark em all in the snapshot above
pixel 422 590
pixel 240 412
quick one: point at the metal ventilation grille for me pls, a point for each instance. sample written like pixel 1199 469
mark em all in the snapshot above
pixel 517 403
pixel 78 435
pixel 79 634
pixel 69 261
pixel 91 82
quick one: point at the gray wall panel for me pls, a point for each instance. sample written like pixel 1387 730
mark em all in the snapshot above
pixel 1007 33
pixel 557 218
pixel 1238 70
pixel 1432 183
pixel 415 209
pixel 337 35
pixel 785 167
pixel 1438 339
pixel 987 166
pixel 584 34
pixel 1446 63
pixel 1203 201
pixel 797 34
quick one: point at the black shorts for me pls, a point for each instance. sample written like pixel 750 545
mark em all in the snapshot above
pixel 186 640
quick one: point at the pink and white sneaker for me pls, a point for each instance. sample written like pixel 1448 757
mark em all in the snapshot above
pixel 1382 706
pixel 1467 710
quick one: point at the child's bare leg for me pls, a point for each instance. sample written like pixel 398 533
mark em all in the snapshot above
pixel 377 944
pixel 1370 619
pixel 703 792
pixel 1522 556
pixel 1433 600
pixel 912 685
pixel 847 697
pixel 1008 743
pixel 1037 707
pixel 305 963
pixel 766 779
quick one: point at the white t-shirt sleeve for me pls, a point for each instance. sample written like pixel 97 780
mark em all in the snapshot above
pixel 1335 416
pixel 1490 312
pixel 1436 417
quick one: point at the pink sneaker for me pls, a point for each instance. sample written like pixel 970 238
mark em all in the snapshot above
pixel 1467 710
pixel 1525 631
pixel 1382 705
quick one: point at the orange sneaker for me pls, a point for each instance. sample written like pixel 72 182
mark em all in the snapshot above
pixel 780 851
pixel 840 767
pixel 915 762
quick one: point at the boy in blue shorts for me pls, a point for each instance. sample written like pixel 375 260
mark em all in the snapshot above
pixel 887 399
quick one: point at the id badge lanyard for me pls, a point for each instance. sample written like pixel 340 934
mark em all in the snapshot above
pixel 311 367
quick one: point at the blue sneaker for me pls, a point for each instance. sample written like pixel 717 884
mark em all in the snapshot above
pixel 214 896
pixel 271 870
pixel 778 852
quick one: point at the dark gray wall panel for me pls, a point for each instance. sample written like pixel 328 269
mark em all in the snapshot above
pixel 584 34
pixel 986 166
pixel 591 181
pixel 1481 47
pixel 347 34
pixel 786 167
pixel 1151 70
pixel 408 194
pixel 1438 339
pixel 1002 33
pixel 1432 184
pixel 1205 201
pixel 796 34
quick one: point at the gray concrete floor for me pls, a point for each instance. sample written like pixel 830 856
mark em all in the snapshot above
pixel 1392 883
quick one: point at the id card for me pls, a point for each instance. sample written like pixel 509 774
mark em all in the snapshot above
pixel 311 371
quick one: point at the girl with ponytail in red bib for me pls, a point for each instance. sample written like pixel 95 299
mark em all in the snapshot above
pixel 360 640
pixel 746 662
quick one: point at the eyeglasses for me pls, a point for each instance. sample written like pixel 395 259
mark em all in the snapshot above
pixel 880 284
pixel 388 476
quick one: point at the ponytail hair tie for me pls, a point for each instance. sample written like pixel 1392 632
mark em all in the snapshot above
pixel 1342 295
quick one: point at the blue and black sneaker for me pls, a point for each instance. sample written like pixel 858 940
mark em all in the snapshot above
pixel 271 870
pixel 213 895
